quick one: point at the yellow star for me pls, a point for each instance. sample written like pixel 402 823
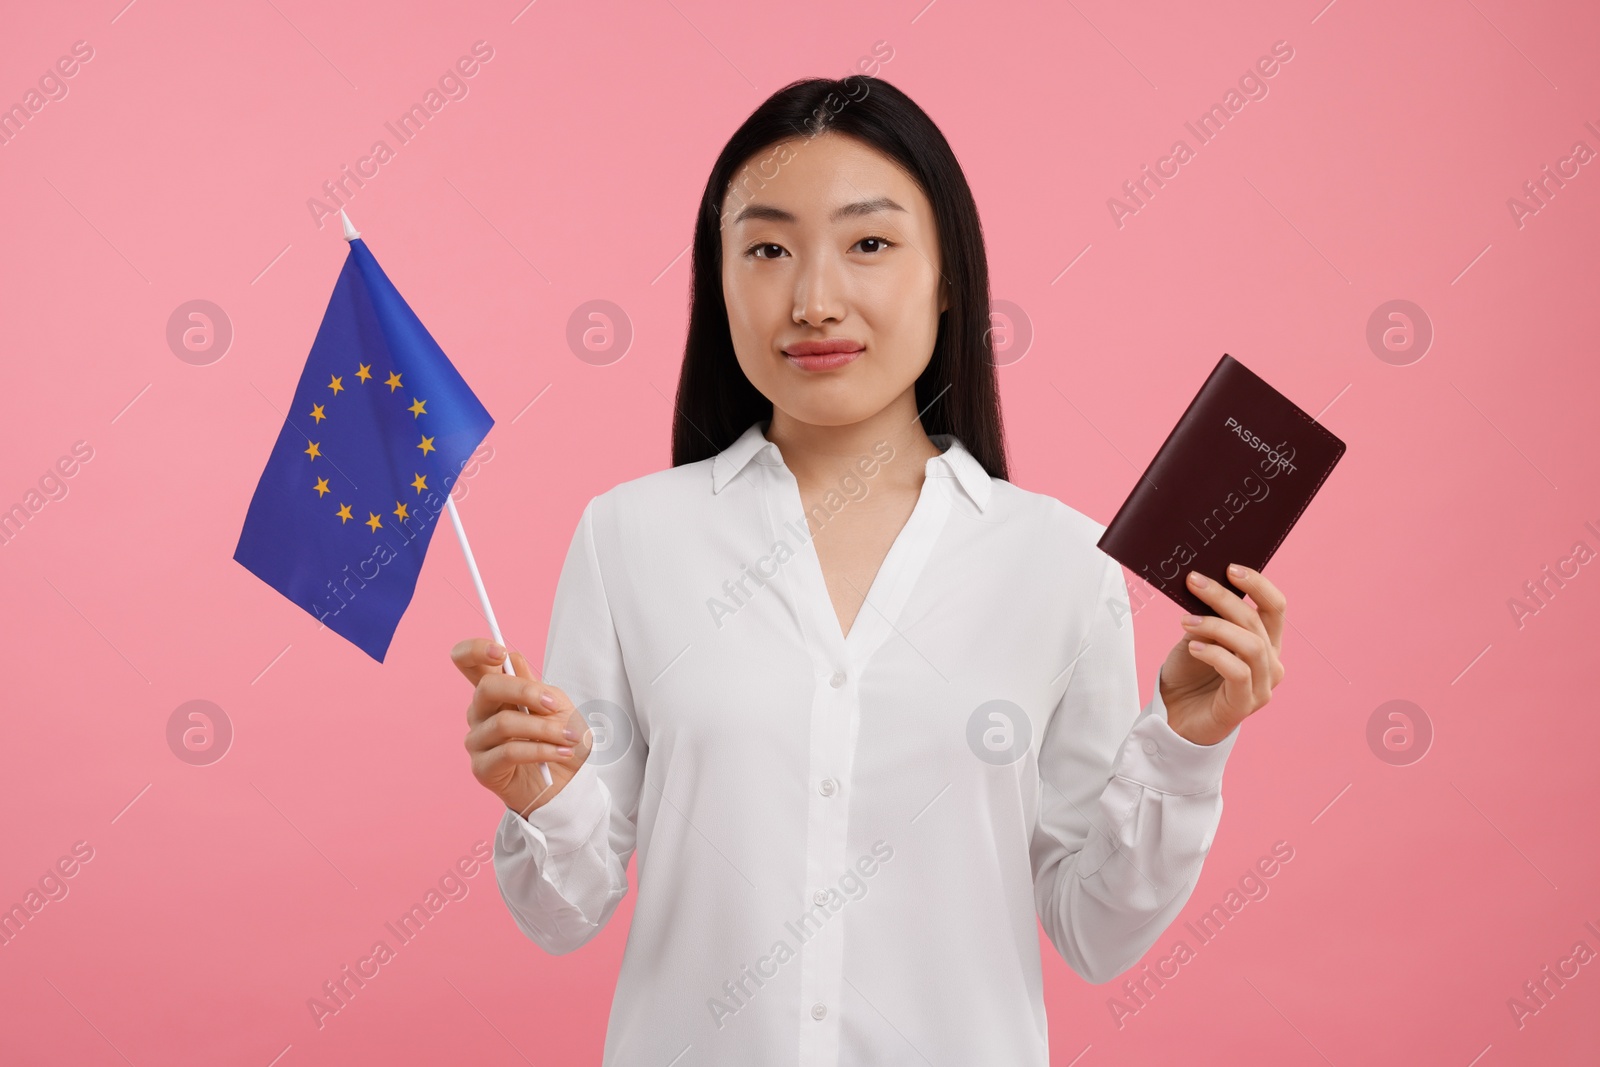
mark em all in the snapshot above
pixel 365 372
pixel 426 445
pixel 393 382
pixel 312 451
pixel 344 514
pixel 400 510
pixel 419 483
pixel 316 412
pixel 321 487
pixel 373 521
pixel 337 384
pixel 416 407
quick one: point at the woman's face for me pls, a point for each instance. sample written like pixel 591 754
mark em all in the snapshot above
pixel 840 245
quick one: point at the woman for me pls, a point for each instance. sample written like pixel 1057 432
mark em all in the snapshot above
pixel 864 707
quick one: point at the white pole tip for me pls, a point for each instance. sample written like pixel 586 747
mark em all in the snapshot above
pixel 350 232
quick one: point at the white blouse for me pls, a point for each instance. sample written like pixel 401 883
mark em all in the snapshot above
pixel 844 839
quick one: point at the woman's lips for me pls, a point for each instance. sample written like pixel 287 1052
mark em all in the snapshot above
pixel 823 362
pixel 823 355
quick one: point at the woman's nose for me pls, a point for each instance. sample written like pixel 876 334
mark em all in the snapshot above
pixel 818 295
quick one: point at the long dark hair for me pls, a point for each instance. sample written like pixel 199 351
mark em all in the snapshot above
pixel 957 393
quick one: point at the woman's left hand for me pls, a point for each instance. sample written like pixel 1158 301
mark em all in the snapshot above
pixel 1212 688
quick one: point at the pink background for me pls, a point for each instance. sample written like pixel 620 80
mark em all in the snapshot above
pixel 178 166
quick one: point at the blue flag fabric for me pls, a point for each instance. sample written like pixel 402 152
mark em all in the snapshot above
pixel 380 427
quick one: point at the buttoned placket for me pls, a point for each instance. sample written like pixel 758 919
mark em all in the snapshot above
pixel 837 663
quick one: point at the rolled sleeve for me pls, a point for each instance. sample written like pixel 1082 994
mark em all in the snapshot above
pixel 1158 757
pixel 562 870
pixel 569 821
pixel 1129 808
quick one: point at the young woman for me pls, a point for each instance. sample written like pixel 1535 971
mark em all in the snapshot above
pixel 864 707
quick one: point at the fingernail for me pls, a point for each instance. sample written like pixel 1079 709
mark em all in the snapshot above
pixel 1200 581
pixel 1235 571
pixel 570 734
pixel 565 751
pixel 547 700
pixel 495 651
pixel 1190 620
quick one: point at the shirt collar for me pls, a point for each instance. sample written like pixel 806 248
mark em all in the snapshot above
pixel 962 465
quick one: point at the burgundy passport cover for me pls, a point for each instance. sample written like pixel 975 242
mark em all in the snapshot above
pixel 1226 486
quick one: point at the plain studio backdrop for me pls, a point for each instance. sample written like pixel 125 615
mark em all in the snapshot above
pixel 536 216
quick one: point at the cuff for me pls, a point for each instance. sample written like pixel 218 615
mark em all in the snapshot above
pixel 1157 756
pixel 567 822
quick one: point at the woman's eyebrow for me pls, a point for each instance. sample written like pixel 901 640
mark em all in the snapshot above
pixel 778 214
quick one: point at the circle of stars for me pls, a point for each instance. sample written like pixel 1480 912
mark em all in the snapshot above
pixel 318 412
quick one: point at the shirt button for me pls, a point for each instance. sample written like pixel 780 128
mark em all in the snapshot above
pixel 837 680
pixel 828 787
pixel 1150 746
pixel 820 897
pixel 818 1010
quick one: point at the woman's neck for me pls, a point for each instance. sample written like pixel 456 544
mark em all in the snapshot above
pixel 820 456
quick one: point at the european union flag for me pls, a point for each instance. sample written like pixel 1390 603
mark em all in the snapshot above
pixel 380 427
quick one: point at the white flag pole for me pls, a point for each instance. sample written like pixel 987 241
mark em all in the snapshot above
pixel 483 601
pixel 350 234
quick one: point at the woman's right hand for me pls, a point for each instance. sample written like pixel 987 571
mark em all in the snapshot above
pixel 507 744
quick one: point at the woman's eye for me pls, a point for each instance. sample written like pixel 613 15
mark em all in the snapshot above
pixel 881 242
pixel 754 249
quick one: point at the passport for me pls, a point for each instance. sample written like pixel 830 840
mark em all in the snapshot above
pixel 1227 486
